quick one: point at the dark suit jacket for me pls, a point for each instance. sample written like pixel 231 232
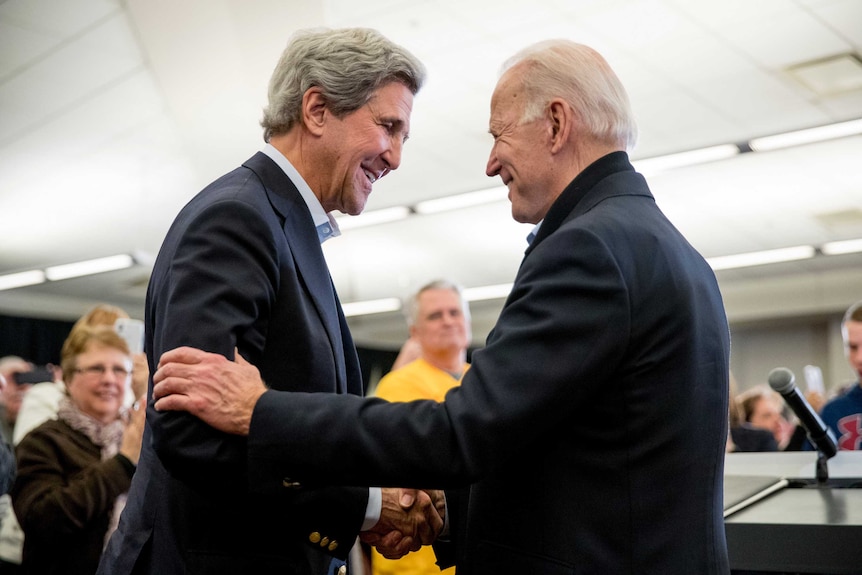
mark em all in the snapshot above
pixel 593 424
pixel 240 267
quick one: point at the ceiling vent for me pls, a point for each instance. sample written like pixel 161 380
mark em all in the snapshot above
pixel 843 221
pixel 830 76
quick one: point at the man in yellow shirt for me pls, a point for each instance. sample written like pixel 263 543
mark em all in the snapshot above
pixel 439 321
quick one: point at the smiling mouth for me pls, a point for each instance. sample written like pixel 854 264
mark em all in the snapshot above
pixel 372 177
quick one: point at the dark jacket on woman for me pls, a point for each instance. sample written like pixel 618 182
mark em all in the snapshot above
pixel 64 497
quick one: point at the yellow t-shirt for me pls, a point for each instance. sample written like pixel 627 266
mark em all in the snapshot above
pixel 416 380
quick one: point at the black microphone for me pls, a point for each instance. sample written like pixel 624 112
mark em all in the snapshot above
pixel 782 380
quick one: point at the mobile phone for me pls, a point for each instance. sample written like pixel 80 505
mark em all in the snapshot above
pixel 814 379
pixel 131 330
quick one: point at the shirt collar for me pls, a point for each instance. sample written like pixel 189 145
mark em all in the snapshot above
pixel 532 235
pixel 325 223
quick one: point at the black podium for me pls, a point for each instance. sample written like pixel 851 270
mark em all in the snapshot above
pixel 779 519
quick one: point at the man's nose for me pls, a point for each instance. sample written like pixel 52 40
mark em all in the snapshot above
pixel 392 157
pixel 493 167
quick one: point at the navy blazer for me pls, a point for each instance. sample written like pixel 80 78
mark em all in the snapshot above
pixel 591 427
pixel 241 267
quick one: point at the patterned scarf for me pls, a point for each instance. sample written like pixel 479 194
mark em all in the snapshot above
pixel 107 436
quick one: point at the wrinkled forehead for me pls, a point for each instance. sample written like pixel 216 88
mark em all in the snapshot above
pixel 509 97
pixel 507 88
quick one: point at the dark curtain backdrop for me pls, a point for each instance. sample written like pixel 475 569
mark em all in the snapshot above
pixel 36 340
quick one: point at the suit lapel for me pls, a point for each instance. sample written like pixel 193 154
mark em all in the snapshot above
pixel 307 254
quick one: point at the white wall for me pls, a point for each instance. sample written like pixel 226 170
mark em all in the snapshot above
pixel 756 348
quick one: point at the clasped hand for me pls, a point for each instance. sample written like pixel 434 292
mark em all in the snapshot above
pixel 409 519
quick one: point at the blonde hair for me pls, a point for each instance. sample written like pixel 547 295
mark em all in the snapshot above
pixel 748 400
pixel 80 339
pixel 101 314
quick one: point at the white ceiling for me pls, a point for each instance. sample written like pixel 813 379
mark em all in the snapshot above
pixel 114 113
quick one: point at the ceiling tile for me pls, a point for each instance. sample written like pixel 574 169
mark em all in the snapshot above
pixel 19 46
pixel 784 38
pixel 844 16
pixel 59 19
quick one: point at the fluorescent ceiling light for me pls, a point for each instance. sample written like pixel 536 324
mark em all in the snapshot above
pixel 499 291
pixel 21 279
pixel 761 258
pixel 809 136
pixel 371 306
pixel 842 247
pixel 693 157
pixel 459 201
pixel 373 217
pixel 89 267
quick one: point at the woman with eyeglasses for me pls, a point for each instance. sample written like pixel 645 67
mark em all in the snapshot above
pixel 74 472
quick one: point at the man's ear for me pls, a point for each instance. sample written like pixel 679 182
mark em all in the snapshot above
pixel 314 110
pixel 561 118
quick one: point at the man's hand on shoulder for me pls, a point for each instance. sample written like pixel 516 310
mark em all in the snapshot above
pixel 220 392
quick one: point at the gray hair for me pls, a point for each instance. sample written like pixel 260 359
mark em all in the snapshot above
pixel 579 75
pixel 347 64
pixel 411 304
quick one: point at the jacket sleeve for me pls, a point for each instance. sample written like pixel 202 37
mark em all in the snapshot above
pixel 581 314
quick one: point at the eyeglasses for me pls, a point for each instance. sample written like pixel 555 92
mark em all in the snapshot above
pixel 100 370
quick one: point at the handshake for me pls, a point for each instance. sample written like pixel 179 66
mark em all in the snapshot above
pixel 409 519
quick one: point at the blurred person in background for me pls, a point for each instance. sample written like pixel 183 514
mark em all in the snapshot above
pixel 843 414
pixel 7 458
pixel 743 436
pixel 42 401
pixel 40 404
pixel 11 368
pixel 410 350
pixel 439 323
pixel 73 472
pixel 763 408
pixel 11 397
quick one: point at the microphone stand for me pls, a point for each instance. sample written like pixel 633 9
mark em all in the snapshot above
pixel 822 469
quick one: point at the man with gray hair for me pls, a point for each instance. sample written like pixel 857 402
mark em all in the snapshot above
pixel 589 432
pixel 439 321
pixel 241 271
